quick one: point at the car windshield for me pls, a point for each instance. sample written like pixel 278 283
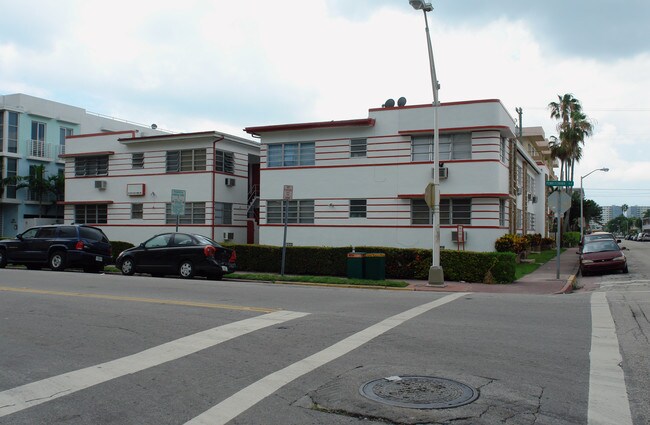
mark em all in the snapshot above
pixel 596 237
pixel 601 246
pixel 203 240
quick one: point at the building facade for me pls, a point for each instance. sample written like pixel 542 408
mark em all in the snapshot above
pixel 123 182
pixel 362 181
pixel 33 133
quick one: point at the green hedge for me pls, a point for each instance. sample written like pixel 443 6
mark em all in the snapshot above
pixel 119 246
pixel 400 263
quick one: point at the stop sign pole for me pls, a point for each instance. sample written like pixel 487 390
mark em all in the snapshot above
pixel 560 209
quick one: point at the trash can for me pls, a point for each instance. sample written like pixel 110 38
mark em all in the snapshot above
pixel 375 266
pixel 355 265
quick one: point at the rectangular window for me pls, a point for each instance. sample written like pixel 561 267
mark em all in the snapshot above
pixel 2 133
pixel 456 211
pixel 422 148
pixel 420 212
pixel 519 218
pixel 12 171
pixel 297 212
pixel 358 148
pixel 38 131
pixel 12 132
pixel 502 212
pixel 137 211
pixel 63 133
pixel 531 221
pixel 530 183
pixel 503 149
pixel 194 213
pixel 137 160
pixel 186 160
pixel 450 146
pixel 520 173
pixel 222 213
pixel 91 165
pixel 291 154
pixel 357 208
pixel 224 162
pixel 91 214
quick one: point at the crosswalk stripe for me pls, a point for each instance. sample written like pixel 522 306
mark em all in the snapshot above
pixel 608 402
pixel 32 394
pixel 241 401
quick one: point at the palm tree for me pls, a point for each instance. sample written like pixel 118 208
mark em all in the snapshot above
pixel 624 207
pixel 38 184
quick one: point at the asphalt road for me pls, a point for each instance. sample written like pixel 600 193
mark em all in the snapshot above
pixel 79 348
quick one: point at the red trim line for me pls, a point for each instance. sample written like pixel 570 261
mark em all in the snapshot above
pixel 76 155
pixel 171 136
pixel 83 202
pixel 430 130
pixel 363 122
pixel 454 195
pixel 103 133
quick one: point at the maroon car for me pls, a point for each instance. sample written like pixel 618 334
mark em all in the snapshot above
pixel 602 256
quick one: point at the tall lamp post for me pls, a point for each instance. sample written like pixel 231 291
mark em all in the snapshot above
pixel 436 275
pixel 582 200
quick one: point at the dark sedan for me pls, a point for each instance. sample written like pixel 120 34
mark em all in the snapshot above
pixel 602 256
pixel 183 254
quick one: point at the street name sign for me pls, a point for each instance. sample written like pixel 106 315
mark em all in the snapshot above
pixel 562 183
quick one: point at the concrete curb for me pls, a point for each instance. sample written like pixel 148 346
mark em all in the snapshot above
pixel 568 286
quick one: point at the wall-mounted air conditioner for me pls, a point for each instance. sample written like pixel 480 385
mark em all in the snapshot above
pixel 230 181
pixel 454 236
pixel 443 172
pixel 530 196
pixel 100 184
pixel 228 236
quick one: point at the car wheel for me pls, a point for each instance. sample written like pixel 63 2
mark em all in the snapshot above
pixel 128 267
pixel 584 273
pixel 3 259
pixel 186 269
pixel 57 261
pixel 625 270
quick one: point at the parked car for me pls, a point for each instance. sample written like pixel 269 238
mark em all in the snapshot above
pixel 183 254
pixel 598 236
pixel 601 256
pixel 645 237
pixel 58 247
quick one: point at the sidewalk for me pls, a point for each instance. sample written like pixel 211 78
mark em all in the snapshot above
pixel 542 281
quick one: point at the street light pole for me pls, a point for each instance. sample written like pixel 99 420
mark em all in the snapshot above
pixel 436 275
pixel 582 200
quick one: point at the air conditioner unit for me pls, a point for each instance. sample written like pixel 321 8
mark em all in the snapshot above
pixel 228 236
pixel 443 172
pixel 454 236
pixel 530 196
pixel 100 184
pixel 230 181
pixel 534 199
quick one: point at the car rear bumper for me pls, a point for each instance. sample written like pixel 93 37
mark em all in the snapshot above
pixel 82 258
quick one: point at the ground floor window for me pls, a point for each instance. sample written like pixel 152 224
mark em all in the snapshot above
pixel 301 211
pixel 531 221
pixel 91 214
pixel 222 213
pixel 456 211
pixel 420 212
pixel 194 214
pixel 137 211
pixel 358 208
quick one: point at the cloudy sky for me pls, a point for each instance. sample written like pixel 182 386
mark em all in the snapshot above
pixel 223 65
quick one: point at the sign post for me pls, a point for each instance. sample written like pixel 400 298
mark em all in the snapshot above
pixel 178 204
pixel 559 203
pixel 287 195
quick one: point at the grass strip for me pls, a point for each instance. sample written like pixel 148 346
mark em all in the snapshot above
pixel 330 280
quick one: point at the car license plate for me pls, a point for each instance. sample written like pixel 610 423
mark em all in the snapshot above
pixel 98 258
pixel 224 268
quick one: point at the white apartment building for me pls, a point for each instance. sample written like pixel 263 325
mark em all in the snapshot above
pixel 362 181
pixel 123 182
pixel 33 134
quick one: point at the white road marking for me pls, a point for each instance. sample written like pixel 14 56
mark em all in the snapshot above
pixel 32 394
pixel 254 393
pixel 608 402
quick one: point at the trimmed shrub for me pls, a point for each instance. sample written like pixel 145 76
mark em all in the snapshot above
pixel 570 239
pixel 119 246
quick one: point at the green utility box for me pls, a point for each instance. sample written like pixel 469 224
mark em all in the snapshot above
pixel 356 265
pixel 375 266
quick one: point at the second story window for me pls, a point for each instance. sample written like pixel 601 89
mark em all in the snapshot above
pixel 63 133
pixel 12 132
pixel 38 131
pixel 503 149
pixel 300 211
pixel 186 160
pixel 358 148
pixel 91 165
pixel 291 154
pixel 450 146
pixel 224 162
pixel 137 160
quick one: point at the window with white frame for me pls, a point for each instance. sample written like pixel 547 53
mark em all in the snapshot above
pixel 291 154
pixel 531 221
pixel 194 213
pixel 63 133
pixel 91 214
pixel 456 211
pixel 222 213
pixel 137 160
pixel 224 162
pixel 519 218
pixel 38 131
pixel 12 172
pixel 530 184
pixel 91 165
pixel 137 211
pixel 358 148
pixel 520 176
pixel 298 211
pixel 502 212
pixel 12 132
pixel 357 208
pixel 451 146
pixel 186 160
pixel 503 146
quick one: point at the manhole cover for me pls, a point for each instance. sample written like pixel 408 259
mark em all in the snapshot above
pixel 419 392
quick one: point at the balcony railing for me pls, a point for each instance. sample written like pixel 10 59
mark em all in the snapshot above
pixel 38 149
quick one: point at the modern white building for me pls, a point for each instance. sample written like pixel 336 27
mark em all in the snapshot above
pixel 33 133
pixel 362 181
pixel 123 182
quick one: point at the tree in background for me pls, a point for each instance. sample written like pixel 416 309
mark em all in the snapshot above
pixel 591 212
pixel 41 187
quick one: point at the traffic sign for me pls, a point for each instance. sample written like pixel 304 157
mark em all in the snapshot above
pixel 287 192
pixel 564 202
pixel 562 183
pixel 430 195
pixel 178 202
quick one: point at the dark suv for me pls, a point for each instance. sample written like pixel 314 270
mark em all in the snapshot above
pixel 58 247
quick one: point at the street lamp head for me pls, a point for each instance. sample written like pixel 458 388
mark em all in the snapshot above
pixel 421 5
pixel 604 169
